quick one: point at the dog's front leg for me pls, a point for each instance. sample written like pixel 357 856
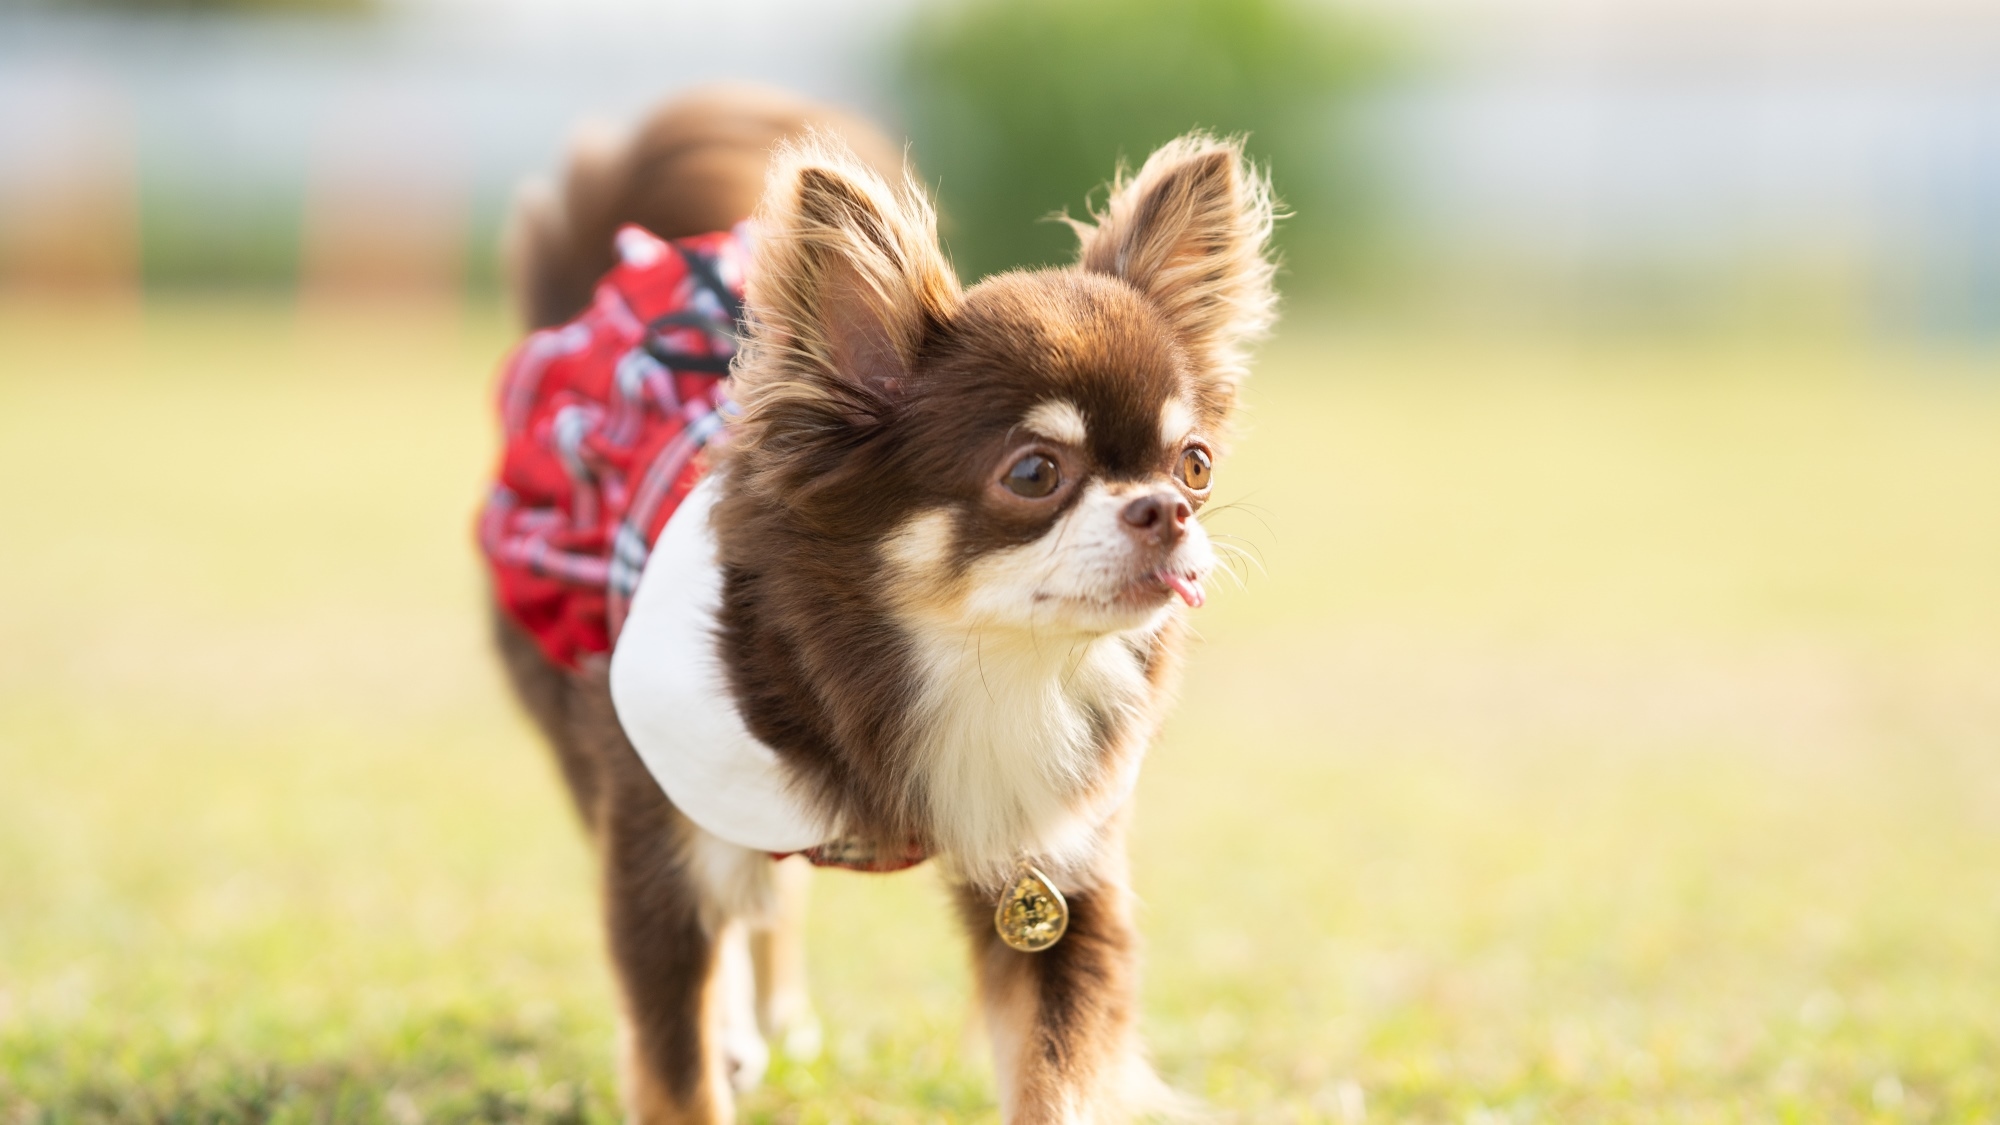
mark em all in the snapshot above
pixel 1063 1021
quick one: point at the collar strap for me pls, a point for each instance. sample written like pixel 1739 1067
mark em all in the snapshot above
pixel 855 855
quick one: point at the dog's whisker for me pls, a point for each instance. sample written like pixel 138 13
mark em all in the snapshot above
pixel 1229 553
pixel 1235 576
pixel 1254 511
pixel 1238 542
pixel 979 657
pixel 1234 550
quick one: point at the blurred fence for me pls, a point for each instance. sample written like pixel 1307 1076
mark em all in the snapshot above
pixel 1833 166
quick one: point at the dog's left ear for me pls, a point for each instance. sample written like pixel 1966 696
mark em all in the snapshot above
pixel 1191 231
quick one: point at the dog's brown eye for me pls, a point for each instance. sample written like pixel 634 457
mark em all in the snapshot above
pixel 1033 476
pixel 1196 467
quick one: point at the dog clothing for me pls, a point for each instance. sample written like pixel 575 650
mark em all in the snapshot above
pixel 605 420
pixel 598 538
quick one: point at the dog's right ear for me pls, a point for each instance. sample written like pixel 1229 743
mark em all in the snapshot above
pixel 846 282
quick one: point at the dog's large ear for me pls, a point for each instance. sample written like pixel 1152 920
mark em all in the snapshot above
pixel 1191 231
pixel 846 282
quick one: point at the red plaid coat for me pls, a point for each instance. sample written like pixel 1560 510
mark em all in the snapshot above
pixel 605 421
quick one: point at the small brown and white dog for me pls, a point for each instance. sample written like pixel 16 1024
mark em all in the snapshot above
pixel 925 600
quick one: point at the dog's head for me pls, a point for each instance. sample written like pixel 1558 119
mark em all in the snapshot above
pixel 1032 453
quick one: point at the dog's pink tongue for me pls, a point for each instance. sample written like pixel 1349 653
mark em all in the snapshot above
pixel 1184 586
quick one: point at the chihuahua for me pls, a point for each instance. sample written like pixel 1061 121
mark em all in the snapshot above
pixel 909 587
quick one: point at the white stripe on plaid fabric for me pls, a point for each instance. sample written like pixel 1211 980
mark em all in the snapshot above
pixel 629 547
pixel 531 552
pixel 572 424
pixel 524 378
pixel 628 559
pixel 610 304
pixel 639 379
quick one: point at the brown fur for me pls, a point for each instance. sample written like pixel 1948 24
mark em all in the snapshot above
pixel 878 395
pixel 694 166
pixel 825 681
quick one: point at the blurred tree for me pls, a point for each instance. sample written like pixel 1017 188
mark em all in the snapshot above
pixel 1020 108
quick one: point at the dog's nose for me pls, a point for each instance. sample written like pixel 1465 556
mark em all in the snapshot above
pixel 1157 517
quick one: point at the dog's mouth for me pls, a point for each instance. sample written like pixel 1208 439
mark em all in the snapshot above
pixel 1186 586
pixel 1144 592
pixel 1162 585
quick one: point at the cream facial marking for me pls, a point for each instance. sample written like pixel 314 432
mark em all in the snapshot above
pixel 1057 420
pixel 1176 420
pixel 1079 578
pixel 921 548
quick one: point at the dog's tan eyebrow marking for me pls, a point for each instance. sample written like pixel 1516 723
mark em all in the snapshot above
pixel 1057 420
pixel 922 545
pixel 1176 420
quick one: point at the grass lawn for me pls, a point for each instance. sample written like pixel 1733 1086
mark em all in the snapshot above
pixel 1613 735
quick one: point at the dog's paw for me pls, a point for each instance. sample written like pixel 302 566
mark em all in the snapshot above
pixel 801 1038
pixel 745 1058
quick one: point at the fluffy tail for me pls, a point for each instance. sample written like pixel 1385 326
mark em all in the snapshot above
pixel 695 164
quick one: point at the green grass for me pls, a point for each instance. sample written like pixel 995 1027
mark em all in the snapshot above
pixel 1615 736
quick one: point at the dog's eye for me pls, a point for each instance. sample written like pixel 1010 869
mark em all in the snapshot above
pixel 1033 476
pixel 1196 467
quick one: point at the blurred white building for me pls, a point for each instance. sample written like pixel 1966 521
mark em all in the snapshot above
pixel 1697 160
pixel 1660 162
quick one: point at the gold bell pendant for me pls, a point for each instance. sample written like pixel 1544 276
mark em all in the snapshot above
pixel 1032 914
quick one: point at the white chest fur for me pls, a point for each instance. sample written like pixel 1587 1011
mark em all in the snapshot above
pixel 1013 742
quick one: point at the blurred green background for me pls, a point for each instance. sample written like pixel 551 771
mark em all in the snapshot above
pixel 1014 107
pixel 1609 731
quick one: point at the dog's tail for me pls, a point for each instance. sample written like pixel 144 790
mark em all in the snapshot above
pixel 695 164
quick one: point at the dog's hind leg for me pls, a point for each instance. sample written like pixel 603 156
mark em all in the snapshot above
pixel 745 1057
pixel 784 1007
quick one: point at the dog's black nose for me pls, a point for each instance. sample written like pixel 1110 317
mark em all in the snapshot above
pixel 1157 517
